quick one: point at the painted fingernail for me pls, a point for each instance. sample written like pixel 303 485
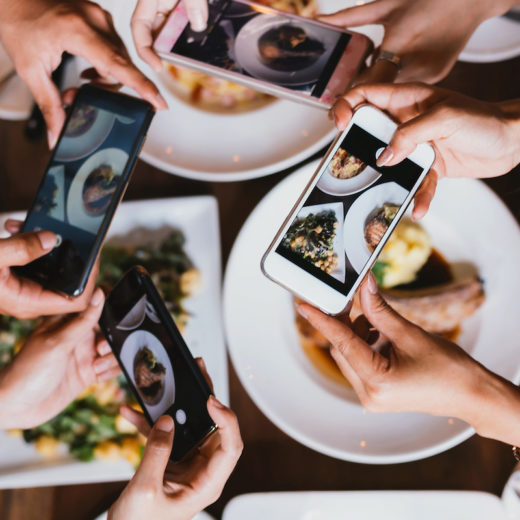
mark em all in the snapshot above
pixel 47 239
pixel 301 311
pixel 164 424
pixel 51 139
pixel 385 156
pixel 372 284
pixel 97 297
pixel 216 402
pixel 197 21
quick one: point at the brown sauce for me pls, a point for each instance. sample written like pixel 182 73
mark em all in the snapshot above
pixel 436 271
pixel 322 360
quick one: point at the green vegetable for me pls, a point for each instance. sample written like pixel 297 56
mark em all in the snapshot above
pixel 379 271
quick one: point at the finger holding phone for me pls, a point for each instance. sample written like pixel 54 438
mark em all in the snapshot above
pixel 161 489
pixel 416 371
pixel 150 14
pixel 48 28
pixel 471 138
pixel 61 358
pixel 23 298
pixel 422 38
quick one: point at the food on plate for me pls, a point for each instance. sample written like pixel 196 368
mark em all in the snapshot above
pixel 46 201
pixel 288 48
pixel 378 223
pixel 81 120
pixel 312 238
pixel 211 93
pixel 91 426
pixel 418 282
pixel 98 189
pixel 344 165
pixel 441 308
pixel 405 253
pixel 149 376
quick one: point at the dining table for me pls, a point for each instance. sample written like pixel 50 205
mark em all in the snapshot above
pixel 271 460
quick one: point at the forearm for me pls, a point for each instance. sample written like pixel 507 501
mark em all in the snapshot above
pixel 494 408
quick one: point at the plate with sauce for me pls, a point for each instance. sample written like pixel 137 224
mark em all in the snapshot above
pixel 303 394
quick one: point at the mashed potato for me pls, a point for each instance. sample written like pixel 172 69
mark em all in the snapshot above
pixel 406 251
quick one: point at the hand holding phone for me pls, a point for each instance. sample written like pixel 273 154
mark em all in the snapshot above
pixel 269 50
pixel 339 225
pixel 157 364
pixel 84 182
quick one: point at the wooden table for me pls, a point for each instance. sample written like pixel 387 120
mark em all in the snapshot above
pixel 271 461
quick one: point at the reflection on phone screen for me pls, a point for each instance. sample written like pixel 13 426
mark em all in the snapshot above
pixel 80 184
pixel 252 41
pixel 349 210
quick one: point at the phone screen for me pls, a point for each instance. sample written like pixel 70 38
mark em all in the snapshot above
pixel 84 179
pixel 253 41
pixel 153 358
pixel 348 211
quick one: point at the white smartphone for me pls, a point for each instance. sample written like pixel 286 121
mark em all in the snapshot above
pixel 340 223
pixel 268 50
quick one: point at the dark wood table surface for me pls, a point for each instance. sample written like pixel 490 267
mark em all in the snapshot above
pixel 271 461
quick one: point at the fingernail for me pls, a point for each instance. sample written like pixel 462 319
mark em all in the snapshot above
pixel 51 139
pixel 197 21
pixel 372 284
pixel 161 101
pixel 101 364
pixel 47 239
pixel 385 156
pixel 164 424
pixel 216 402
pixel 97 297
pixel 301 311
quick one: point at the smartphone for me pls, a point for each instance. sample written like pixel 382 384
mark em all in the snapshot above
pixel 156 361
pixel 83 184
pixel 268 50
pixel 350 207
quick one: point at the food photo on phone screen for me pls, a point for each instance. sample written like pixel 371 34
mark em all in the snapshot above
pixel 277 49
pixel 348 212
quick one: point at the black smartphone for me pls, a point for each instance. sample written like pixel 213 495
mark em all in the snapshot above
pixel 156 361
pixel 83 184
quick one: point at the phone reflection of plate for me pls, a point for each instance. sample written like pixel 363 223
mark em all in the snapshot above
pixel 334 186
pixel 73 148
pixel 135 316
pixel 76 212
pixel 58 174
pixel 248 57
pixel 337 208
pixel 151 313
pixel 354 229
pixel 132 345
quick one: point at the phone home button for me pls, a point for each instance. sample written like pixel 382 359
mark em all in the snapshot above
pixel 180 416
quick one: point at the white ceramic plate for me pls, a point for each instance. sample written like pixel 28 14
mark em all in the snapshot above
pixel 76 212
pixel 135 342
pixel 337 207
pixel 366 505
pixel 312 409
pixel 496 39
pixel 214 147
pixel 248 55
pixel 334 186
pixel 355 220
pixel 197 217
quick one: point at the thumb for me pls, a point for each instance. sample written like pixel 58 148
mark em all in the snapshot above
pixel 379 313
pixel 23 248
pixel 157 453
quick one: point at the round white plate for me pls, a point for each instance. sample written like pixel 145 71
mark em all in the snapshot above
pixel 73 148
pixel 310 408
pixel 214 147
pixel 354 229
pixel 334 186
pixel 496 39
pixel 135 316
pixel 248 56
pixel 76 213
pixel 133 343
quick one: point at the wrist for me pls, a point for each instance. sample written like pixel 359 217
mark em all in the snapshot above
pixel 494 409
